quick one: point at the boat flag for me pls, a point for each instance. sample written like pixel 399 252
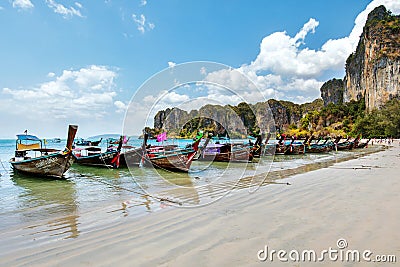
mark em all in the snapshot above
pixel 115 160
pixel 162 137
pixel 199 135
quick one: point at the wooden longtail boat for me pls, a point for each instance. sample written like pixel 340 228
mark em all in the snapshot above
pixel 257 148
pixel 348 145
pixel 88 143
pixel 50 162
pixel 130 156
pixel 268 149
pixel 362 145
pixel 226 153
pixel 280 147
pixel 316 147
pixel 345 145
pixel 297 148
pixel 92 156
pixel 332 144
pixel 171 159
pixel 293 148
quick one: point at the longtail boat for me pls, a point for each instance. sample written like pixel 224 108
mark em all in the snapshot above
pixel 170 157
pixel 292 148
pixel 88 143
pixel 92 156
pixel 295 148
pixel 268 148
pixel 226 153
pixel 257 148
pixel 348 145
pixel 316 147
pixel 130 156
pixel 280 147
pixel 49 162
pixel 363 145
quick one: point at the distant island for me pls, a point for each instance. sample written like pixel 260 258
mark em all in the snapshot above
pixel 366 101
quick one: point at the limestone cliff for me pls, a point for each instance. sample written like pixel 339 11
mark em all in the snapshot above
pixel 373 70
pixel 332 91
pixel 237 121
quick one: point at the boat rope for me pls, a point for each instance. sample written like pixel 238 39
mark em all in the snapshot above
pixel 2 166
pixel 161 199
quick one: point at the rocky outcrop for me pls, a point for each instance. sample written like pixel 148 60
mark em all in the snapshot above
pixel 160 117
pixel 332 92
pixel 237 121
pixel 373 70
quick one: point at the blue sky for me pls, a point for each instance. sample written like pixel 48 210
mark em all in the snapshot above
pixel 81 61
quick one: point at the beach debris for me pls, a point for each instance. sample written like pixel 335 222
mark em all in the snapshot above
pixel 287 183
pixel 163 199
pixel 352 168
pixel 374 166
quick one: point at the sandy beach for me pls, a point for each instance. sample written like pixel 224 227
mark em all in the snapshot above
pixel 355 200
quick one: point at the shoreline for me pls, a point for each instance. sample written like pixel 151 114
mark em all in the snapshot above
pixel 318 208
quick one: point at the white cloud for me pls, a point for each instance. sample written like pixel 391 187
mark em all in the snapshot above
pixel 64 11
pixel 141 23
pixel 121 106
pixel 22 4
pixel 286 68
pixel 143 2
pixel 165 98
pixel 83 93
pixel 203 71
pixel 172 97
pixel 171 64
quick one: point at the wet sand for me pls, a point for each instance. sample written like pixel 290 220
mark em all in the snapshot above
pixel 357 200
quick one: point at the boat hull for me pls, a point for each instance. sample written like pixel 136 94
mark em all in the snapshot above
pixel 227 153
pixel 53 165
pixel 131 158
pixel 173 161
pixel 318 149
pixel 98 160
pixel 295 149
pixel 345 146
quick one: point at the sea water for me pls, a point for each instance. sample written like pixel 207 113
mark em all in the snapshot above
pixel 89 197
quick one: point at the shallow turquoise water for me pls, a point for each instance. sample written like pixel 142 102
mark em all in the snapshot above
pixel 92 196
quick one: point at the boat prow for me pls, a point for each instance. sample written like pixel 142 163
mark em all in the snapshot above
pixel 50 163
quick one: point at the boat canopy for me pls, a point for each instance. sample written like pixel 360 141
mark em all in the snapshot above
pixel 210 145
pixel 27 137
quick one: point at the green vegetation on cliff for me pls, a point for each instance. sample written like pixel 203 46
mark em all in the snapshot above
pixel 351 119
pixel 384 122
pixel 292 119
